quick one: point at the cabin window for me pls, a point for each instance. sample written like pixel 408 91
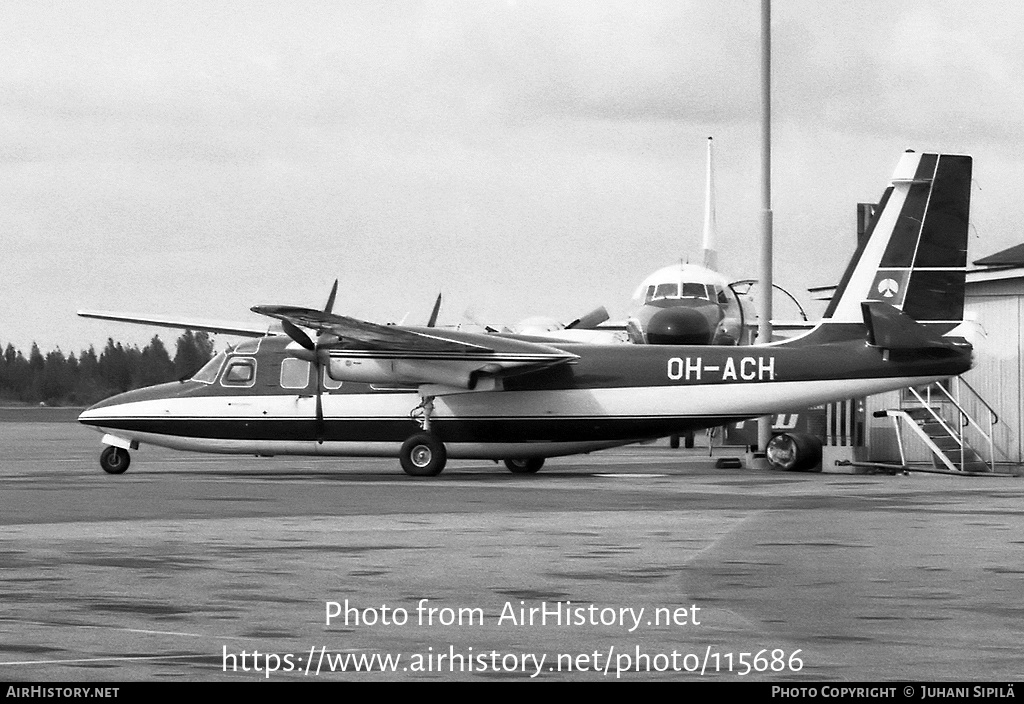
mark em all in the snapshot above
pixel 248 347
pixel 240 372
pixel 329 383
pixel 209 371
pixel 294 373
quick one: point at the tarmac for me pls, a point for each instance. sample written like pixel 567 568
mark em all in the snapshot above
pixel 640 563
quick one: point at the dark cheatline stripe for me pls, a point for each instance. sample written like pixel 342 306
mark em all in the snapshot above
pixel 498 430
pixel 907 230
pixel 944 235
pixel 935 295
pixel 926 167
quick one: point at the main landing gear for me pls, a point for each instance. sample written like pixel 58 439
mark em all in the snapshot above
pixel 423 455
pixel 115 460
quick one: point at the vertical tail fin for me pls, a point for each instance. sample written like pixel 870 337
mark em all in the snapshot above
pixel 914 256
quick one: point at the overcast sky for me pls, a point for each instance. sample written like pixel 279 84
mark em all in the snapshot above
pixel 521 157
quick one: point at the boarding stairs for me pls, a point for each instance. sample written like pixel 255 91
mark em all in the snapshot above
pixel 954 423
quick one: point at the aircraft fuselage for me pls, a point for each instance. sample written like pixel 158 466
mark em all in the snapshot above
pixel 609 396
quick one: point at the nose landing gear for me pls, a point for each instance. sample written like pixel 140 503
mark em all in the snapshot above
pixel 525 466
pixel 115 460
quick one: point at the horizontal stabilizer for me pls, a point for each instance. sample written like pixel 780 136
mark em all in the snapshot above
pixel 890 329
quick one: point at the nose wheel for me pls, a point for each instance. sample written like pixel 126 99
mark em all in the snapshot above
pixel 423 455
pixel 115 460
pixel 529 465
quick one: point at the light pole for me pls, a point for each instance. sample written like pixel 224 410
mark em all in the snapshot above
pixel 764 298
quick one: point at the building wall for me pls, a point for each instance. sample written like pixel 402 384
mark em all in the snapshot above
pixel 998 365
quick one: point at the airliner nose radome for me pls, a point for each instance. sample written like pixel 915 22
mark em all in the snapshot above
pixel 679 326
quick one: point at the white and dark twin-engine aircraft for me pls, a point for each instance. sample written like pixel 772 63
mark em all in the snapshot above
pixel 333 385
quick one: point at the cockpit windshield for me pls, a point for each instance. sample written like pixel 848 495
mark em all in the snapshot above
pixel 694 290
pixel 690 289
pixel 665 291
pixel 208 374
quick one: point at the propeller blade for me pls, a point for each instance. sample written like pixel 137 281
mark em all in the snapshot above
pixel 296 333
pixel 329 308
pixel 591 320
pixel 433 314
pixel 470 315
pixel 319 404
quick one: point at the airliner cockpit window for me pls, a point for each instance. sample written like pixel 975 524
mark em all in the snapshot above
pixel 209 371
pixel 667 291
pixel 692 290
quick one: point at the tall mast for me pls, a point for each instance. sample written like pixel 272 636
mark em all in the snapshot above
pixel 710 255
pixel 764 285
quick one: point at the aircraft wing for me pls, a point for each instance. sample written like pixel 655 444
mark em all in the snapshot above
pixel 364 334
pixel 446 362
pixel 240 329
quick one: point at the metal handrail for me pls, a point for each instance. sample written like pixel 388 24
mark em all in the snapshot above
pixel 974 391
pixel 993 418
pixel 903 415
pixel 963 411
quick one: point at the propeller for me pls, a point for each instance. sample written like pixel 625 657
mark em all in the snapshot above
pixel 299 336
pixel 590 320
pixel 329 308
pixel 470 315
pixel 432 322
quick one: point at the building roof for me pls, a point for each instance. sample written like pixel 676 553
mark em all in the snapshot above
pixel 1014 256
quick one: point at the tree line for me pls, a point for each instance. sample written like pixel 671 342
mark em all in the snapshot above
pixel 57 379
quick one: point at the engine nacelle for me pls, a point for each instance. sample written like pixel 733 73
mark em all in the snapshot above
pixel 369 370
pixel 795 452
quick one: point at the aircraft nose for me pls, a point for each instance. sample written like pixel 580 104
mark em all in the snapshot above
pixel 115 406
pixel 679 326
pixel 99 411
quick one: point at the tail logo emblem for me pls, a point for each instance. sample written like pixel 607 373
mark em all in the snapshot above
pixel 888 287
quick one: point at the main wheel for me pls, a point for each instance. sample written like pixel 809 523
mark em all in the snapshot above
pixel 423 455
pixel 525 466
pixel 115 460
